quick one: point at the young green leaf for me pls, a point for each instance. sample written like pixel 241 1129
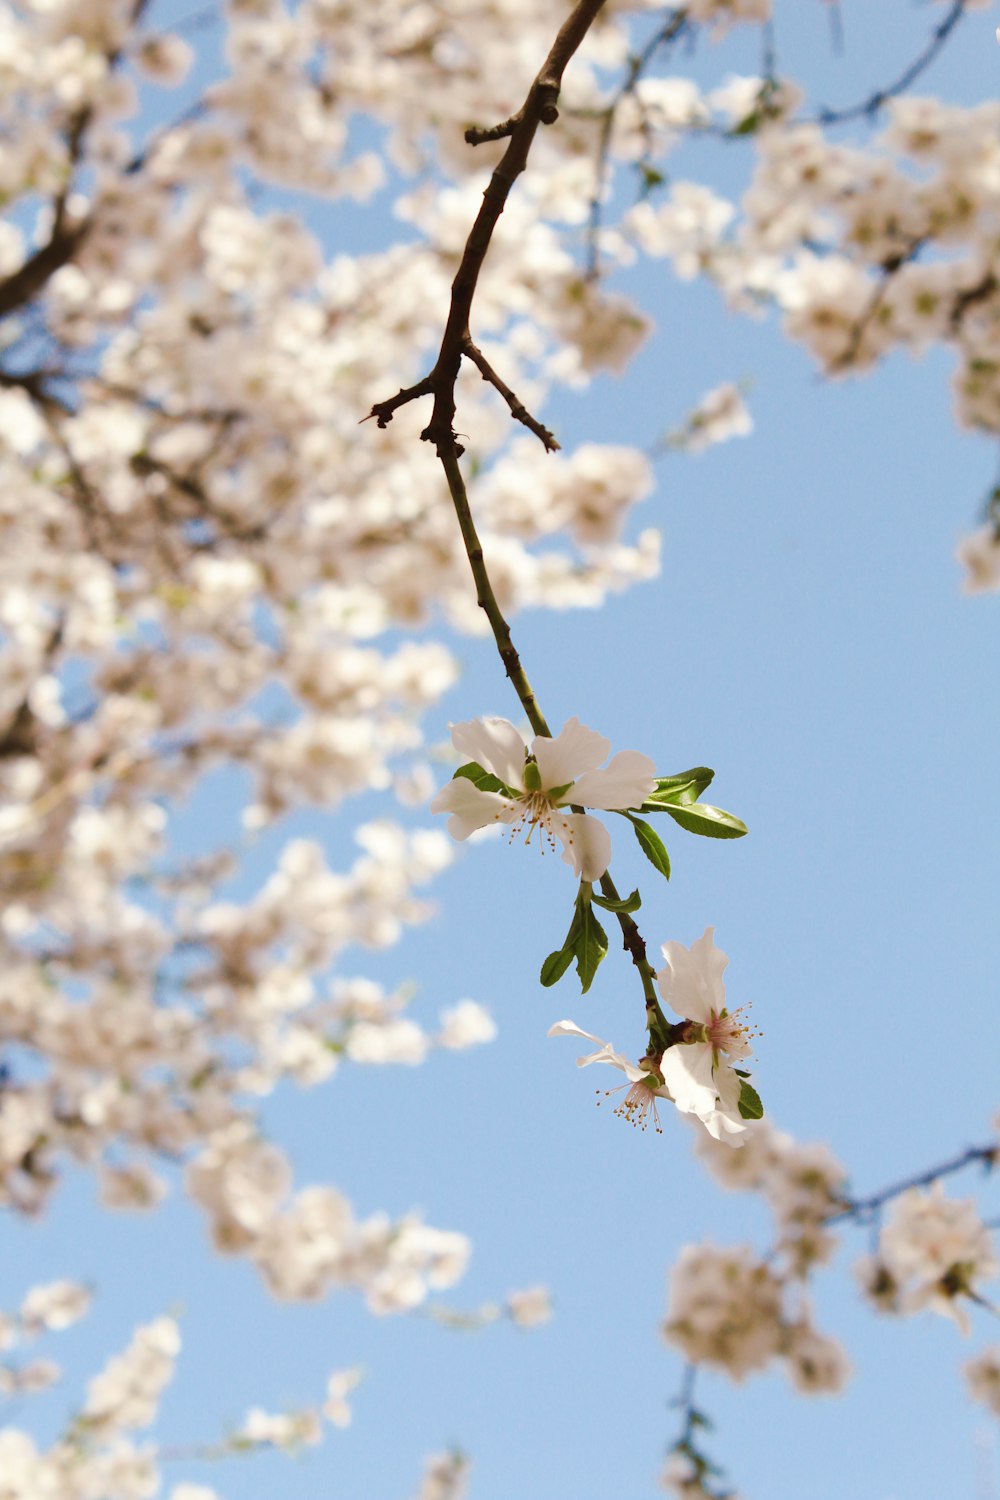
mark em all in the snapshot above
pixel 750 1106
pixel 712 822
pixel 590 944
pixel 679 790
pixel 652 846
pixel 556 965
pixel 481 778
pixel 628 903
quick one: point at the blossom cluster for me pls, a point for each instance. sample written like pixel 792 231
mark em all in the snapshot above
pixel 863 249
pixel 730 1310
pixel 803 1184
pixel 203 570
pixel 739 1311
pixel 206 569
pixel 696 1073
pixel 98 1453
pixel 46 1308
pixel 933 1251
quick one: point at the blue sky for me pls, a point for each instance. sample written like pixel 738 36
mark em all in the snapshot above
pixel 808 640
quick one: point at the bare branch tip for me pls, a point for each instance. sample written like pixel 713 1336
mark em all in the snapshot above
pixel 478 135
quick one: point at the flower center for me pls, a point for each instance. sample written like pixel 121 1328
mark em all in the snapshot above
pixel 725 1032
pixel 536 812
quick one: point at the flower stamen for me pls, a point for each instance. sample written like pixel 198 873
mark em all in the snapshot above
pixel 536 812
pixel 637 1106
pixel 725 1032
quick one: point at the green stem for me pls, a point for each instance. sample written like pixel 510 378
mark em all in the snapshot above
pixel 635 946
pixel 485 597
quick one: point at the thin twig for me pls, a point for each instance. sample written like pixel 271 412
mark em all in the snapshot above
pixel 539 108
pixel 920 64
pixel 861 1208
pixel 456 343
pixel 518 410
pixel 486 598
pixel 667 33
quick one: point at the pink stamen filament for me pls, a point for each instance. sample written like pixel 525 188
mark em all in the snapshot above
pixel 726 1033
pixel 637 1106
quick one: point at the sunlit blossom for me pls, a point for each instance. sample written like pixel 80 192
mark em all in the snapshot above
pixel 643 1088
pixel 699 1072
pixel 540 781
pixel 938 1251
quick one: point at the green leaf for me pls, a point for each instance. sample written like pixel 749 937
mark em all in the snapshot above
pixel 590 944
pixel 556 965
pixel 712 822
pixel 483 779
pixel 652 846
pixel 750 125
pixel 651 179
pixel 750 1106
pixel 679 790
pixel 628 903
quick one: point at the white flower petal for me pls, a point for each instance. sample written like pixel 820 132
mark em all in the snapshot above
pixel 687 1072
pixel 692 983
pixel 727 1085
pixel 471 808
pixel 570 1028
pixel 727 1128
pixel 586 843
pixel 625 782
pixel 606 1054
pixel 574 750
pixel 496 745
pixel 712 1095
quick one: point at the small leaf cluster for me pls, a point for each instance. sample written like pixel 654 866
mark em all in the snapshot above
pixel 677 796
pixel 586 941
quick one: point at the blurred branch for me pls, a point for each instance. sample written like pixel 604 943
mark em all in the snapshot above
pixel 881 97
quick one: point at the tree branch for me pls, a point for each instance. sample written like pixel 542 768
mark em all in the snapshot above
pixel 518 410
pixel 920 64
pixel 539 108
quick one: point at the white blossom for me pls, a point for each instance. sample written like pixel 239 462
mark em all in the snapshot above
pixel 725 1309
pixel 56 1305
pixel 529 1307
pixel 721 414
pixel 445 1477
pixel 467 1024
pixel 289 1431
pixel 938 1251
pixel 982 1376
pixel 644 1085
pixel 339 1386
pixel 979 554
pixel 698 1071
pixel 126 1394
pixel 541 779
